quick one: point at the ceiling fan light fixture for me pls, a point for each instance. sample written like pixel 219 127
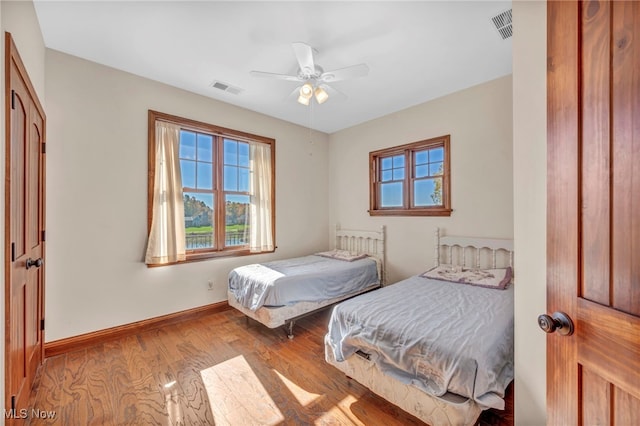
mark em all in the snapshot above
pixel 306 91
pixel 321 95
pixel 302 100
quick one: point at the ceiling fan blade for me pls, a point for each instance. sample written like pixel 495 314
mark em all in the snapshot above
pixel 346 73
pixel 274 75
pixel 294 94
pixel 304 56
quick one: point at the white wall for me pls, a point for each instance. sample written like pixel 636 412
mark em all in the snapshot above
pixel 97 197
pixel 479 120
pixel 530 201
pixel 18 18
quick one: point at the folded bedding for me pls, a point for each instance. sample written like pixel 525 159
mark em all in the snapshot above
pixel 438 336
pixel 303 279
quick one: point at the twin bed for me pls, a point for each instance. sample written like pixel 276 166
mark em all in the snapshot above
pixel 280 292
pixel 440 344
pixel 440 350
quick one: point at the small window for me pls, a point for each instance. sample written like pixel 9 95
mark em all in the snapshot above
pixel 411 180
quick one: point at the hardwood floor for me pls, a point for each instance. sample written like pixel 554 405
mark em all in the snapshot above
pixel 218 370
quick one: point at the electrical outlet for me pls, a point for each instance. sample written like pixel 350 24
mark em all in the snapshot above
pixel 209 285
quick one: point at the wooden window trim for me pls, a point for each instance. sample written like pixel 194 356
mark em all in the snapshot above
pixel 220 132
pixel 407 151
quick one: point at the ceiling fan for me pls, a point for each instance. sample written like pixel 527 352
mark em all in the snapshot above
pixel 314 79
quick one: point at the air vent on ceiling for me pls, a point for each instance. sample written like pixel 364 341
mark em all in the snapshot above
pixel 502 21
pixel 216 84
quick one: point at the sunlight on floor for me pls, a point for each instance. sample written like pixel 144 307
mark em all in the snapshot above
pixel 304 398
pixel 172 402
pixel 226 384
pixel 339 411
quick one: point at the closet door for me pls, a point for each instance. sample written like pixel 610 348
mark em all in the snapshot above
pixel 24 233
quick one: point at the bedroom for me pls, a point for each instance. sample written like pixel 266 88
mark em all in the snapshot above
pixel 95 282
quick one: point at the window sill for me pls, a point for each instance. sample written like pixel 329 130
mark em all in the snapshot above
pixel 197 257
pixel 411 212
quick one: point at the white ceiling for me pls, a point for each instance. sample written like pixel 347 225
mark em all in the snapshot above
pixel 416 51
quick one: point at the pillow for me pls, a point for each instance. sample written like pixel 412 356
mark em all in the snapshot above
pixel 490 278
pixel 341 255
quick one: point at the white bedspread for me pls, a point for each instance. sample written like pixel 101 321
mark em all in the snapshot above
pixel 438 336
pixel 302 279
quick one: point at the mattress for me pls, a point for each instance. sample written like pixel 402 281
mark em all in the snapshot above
pixel 449 409
pixel 437 336
pixel 303 279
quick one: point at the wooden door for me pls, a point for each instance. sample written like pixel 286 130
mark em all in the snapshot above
pixel 593 221
pixel 24 231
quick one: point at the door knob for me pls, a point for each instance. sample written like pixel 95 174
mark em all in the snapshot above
pixel 37 263
pixel 558 321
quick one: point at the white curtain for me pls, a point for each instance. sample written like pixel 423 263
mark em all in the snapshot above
pixel 167 235
pixel 261 236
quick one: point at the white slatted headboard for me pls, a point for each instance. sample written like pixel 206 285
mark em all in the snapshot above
pixel 360 241
pixel 473 252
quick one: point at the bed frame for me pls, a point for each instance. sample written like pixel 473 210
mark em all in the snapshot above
pixel 371 243
pixel 455 250
pixel 450 409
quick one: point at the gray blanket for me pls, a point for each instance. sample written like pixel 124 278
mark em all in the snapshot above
pixel 302 279
pixel 439 336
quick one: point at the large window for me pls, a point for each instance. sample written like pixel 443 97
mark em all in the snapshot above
pixel 411 180
pixel 218 181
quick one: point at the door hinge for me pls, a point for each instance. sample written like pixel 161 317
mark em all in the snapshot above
pixel 13 403
pixel 43 235
pixel 42 324
pixel 13 252
pixel 13 99
pixel 44 147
